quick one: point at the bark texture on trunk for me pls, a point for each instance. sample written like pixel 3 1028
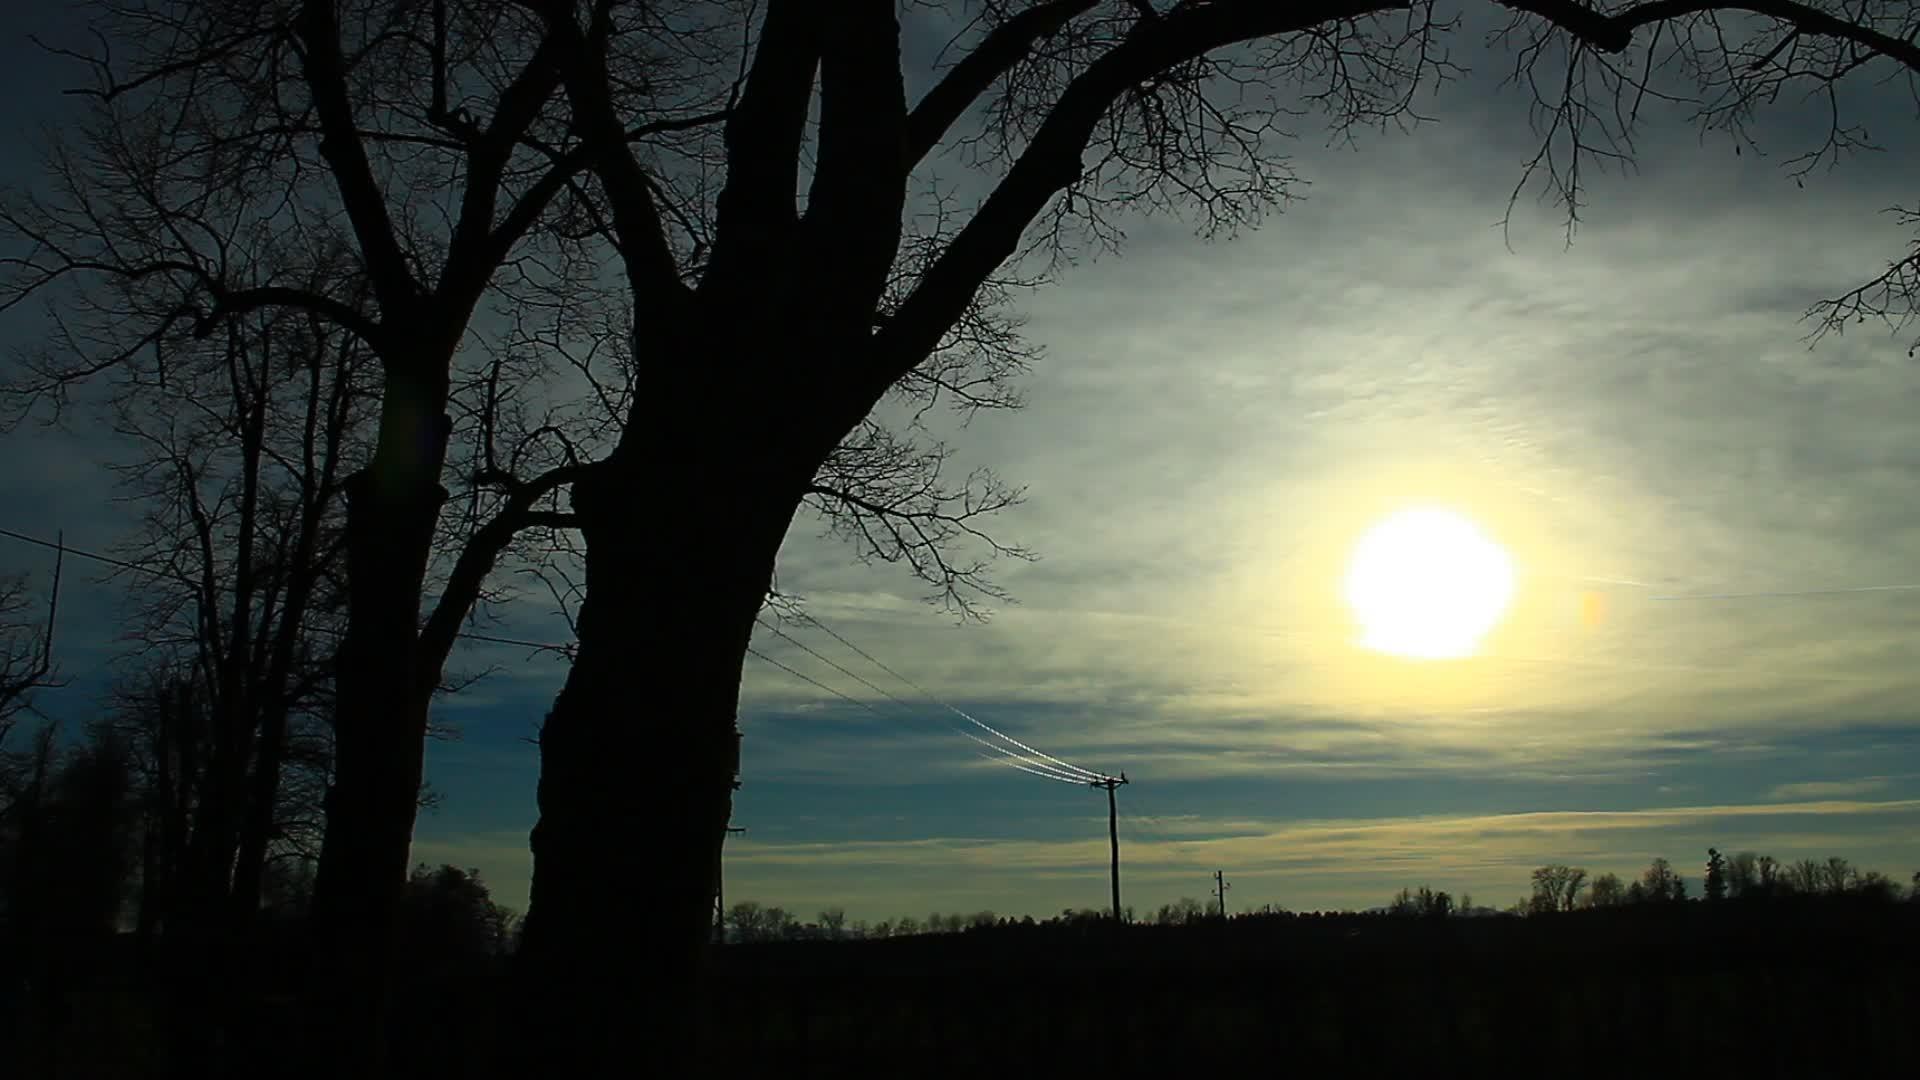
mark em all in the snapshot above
pixel 379 732
pixel 638 759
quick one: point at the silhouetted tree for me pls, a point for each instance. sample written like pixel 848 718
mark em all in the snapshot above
pixel 239 461
pixel 1606 891
pixel 833 920
pixel 1806 876
pixel 65 865
pixel 1659 884
pixel 1180 912
pixel 1093 106
pixel 325 126
pixel 1716 879
pixel 243 158
pixel 26 649
pixel 449 923
pixel 1423 903
pixel 1743 875
pixel 1876 886
pixel 1837 876
pixel 1557 887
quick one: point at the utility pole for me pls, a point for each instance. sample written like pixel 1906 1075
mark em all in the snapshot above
pixel 1220 887
pixel 1113 833
pixel 720 894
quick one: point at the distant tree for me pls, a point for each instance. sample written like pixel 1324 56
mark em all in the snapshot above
pixel 26 650
pixel 1770 874
pixel 982 920
pixel 449 923
pixel 743 920
pixel 1837 876
pixel 1660 884
pixel 1636 893
pixel 1914 893
pixel 906 927
pixel 833 921
pixel 1876 886
pixel 1180 912
pixel 1806 876
pixel 1606 892
pixel 1424 902
pixel 1743 875
pixel 286 888
pixel 65 855
pixel 1716 880
pixel 1557 887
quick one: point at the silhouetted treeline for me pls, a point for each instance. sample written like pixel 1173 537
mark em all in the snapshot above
pixel 1557 887
pixel 1764 989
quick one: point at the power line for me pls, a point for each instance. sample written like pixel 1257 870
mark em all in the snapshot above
pixel 856 702
pixel 1087 775
pixel 169 575
pixel 1018 762
pixel 1032 764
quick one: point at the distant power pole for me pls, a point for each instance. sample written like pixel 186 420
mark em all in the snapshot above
pixel 1113 833
pixel 720 894
pixel 1220 887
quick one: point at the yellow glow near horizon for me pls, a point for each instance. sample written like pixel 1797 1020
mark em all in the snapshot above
pixel 1426 583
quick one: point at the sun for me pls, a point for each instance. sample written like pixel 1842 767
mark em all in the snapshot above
pixel 1428 584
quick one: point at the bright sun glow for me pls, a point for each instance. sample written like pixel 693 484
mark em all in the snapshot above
pixel 1427 583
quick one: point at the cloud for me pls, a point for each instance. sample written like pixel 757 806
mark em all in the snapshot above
pixel 1830 789
pixel 1330 863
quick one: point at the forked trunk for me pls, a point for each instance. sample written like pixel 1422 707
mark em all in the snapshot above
pixel 638 759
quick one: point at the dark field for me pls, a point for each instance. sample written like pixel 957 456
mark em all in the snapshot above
pixel 1760 993
pixel 1786 990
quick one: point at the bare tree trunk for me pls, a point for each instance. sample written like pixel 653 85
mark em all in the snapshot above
pixel 256 827
pixel 379 730
pixel 638 759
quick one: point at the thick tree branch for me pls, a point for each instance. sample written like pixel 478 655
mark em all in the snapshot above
pixel 1052 161
pixel 651 266
pixel 859 178
pixel 1004 47
pixel 241 301
pixel 478 557
pixel 325 68
pixel 1613 33
pixel 754 212
pixel 476 246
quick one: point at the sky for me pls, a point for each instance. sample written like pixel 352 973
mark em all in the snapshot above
pixel 1636 419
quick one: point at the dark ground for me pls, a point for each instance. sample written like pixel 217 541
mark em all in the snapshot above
pixel 1784 989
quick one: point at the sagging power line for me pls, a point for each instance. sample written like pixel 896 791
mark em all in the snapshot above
pixel 1033 761
pixel 1037 763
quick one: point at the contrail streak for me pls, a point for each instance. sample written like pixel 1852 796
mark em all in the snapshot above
pixel 1785 593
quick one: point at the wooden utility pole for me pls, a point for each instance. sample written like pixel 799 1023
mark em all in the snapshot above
pixel 1113 833
pixel 720 895
pixel 1220 888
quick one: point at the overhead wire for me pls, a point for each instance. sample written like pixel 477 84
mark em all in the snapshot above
pixel 1085 773
pixel 1024 764
pixel 189 582
pixel 868 706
